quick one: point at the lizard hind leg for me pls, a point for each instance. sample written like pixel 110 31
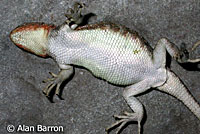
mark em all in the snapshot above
pixel 137 107
pixel 181 56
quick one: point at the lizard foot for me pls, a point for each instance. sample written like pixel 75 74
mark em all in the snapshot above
pixel 74 15
pixel 123 120
pixel 185 56
pixel 56 80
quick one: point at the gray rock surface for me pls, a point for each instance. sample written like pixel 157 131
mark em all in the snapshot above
pixel 89 103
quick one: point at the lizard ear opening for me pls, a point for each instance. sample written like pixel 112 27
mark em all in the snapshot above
pixel 32 37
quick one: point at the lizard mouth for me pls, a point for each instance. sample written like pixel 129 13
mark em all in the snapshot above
pixel 32 37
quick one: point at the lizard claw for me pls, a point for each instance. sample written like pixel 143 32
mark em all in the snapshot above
pixel 123 120
pixel 195 45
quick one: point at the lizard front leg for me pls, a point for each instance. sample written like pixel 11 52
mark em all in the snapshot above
pixel 74 17
pixel 57 80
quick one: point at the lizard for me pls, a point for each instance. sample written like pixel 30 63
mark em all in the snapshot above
pixel 111 52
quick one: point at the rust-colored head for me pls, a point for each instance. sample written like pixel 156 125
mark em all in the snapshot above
pixel 32 37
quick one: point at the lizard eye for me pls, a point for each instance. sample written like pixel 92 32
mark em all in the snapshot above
pixel 32 37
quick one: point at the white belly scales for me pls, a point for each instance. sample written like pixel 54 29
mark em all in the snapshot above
pixel 107 54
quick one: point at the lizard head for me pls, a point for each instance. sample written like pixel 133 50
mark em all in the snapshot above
pixel 32 37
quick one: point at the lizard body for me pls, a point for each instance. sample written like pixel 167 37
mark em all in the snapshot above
pixel 110 52
pixel 116 53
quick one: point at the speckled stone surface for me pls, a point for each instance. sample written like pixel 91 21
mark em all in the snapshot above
pixel 89 103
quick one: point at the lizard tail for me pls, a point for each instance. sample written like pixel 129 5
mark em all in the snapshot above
pixel 176 88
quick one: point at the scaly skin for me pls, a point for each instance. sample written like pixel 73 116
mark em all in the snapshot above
pixel 174 87
pixel 110 52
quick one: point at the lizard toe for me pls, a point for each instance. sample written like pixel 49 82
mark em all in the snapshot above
pixel 55 81
pixel 123 120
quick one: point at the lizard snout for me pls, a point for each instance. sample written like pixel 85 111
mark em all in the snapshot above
pixel 32 37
